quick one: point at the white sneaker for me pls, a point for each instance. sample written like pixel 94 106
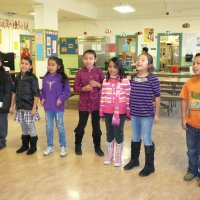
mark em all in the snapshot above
pixel 63 151
pixel 48 151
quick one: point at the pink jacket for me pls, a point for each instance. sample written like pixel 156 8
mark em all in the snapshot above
pixel 108 95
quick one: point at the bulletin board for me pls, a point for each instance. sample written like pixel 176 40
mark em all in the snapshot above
pixel 68 45
pixel 126 48
pixel 51 41
pixel 39 41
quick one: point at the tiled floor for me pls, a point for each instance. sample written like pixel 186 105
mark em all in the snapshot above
pixel 85 177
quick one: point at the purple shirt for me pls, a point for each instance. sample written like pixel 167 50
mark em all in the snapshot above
pixel 52 90
pixel 89 100
pixel 143 92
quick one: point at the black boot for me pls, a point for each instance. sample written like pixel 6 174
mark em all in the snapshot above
pixel 97 145
pixel 33 145
pixel 78 141
pixel 149 161
pixel 135 152
pixel 25 144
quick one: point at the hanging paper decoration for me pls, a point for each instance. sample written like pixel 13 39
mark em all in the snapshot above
pixel 13 24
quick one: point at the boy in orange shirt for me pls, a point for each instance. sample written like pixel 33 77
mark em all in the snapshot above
pixel 190 111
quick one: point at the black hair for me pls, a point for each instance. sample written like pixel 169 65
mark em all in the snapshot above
pixel 150 61
pixel 118 65
pixel 90 51
pixel 60 70
pixel 30 62
pixel 145 49
pixel 197 55
pixel 2 61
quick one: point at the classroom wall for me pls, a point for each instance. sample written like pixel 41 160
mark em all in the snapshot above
pixel 131 26
pixel 11 37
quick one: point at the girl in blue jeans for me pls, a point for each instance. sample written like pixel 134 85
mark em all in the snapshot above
pixel 145 87
pixel 55 92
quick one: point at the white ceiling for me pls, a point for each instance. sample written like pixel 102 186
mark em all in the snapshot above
pixel 144 8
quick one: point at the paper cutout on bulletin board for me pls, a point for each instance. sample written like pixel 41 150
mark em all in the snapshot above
pixel 39 40
pixel 148 34
pixel 112 47
pixel 68 45
pixel 51 43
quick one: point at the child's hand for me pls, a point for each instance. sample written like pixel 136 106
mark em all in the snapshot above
pixel 33 111
pixel 42 102
pixel 58 102
pixel 156 119
pixel 95 84
pixel 184 122
pixel 87 88
pixel 11 110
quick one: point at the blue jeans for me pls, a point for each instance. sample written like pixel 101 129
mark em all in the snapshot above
pixel 142 125
pixel 58 116
pixel 112 131
pixel 193 145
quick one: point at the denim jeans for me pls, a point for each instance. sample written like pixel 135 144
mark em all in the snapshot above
pixel 193 146
pixel 58 116
pixel 112 131
pixel 142 125
pixel 28 129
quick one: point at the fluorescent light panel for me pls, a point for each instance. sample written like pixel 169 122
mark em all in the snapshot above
pixel 124 8
pixel 32 13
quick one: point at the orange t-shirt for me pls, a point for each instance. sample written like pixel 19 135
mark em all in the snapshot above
pixel 191 92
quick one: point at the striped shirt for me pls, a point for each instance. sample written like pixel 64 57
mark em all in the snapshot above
pixel 143 92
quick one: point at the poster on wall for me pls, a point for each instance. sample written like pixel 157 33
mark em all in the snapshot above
pixel 26 46
pixel 126 47
pixel 51 38
pixel 39 41
pixel 148 34
pixel 69 45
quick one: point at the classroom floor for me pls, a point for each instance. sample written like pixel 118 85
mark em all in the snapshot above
pixel 86 177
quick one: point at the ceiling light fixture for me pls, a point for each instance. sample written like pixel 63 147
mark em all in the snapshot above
pixel 123 8
pixel 32 13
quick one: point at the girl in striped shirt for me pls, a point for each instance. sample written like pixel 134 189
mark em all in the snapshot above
pixel 145 87
pixel 114 108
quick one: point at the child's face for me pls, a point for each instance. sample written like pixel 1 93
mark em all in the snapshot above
pixel 52 66
pixel 89 60
pixel 25 66
pixel 196 66
pixel 142 63
pixel 113 71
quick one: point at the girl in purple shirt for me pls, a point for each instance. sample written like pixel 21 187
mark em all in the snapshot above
pixel 87 83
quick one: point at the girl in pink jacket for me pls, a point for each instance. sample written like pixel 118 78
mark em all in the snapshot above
pixel 114 108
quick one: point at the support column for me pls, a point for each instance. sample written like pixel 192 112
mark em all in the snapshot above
pixel 46 18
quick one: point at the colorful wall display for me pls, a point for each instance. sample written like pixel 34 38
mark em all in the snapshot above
pixel 14 24
pixel 148 34
pixel 69 45
pixel 39 43
pixel 126 48
pixel 51 38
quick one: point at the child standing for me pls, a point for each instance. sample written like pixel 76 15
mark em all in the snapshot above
pixel 55 92
pixel 144 88
pixel 190 110
pixel 87 83
pixel 6 86
pixel 114 107
pixel 25 95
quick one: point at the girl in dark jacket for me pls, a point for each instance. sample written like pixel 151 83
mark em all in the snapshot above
pixel 25 95
pixel 5 100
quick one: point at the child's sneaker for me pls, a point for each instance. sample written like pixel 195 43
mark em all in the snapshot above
pixel 48 151
pixel 189 176
pixel 63 151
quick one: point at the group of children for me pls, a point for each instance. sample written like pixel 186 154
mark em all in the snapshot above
pixel 112 98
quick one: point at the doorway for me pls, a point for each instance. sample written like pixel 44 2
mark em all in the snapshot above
pixel 169 50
